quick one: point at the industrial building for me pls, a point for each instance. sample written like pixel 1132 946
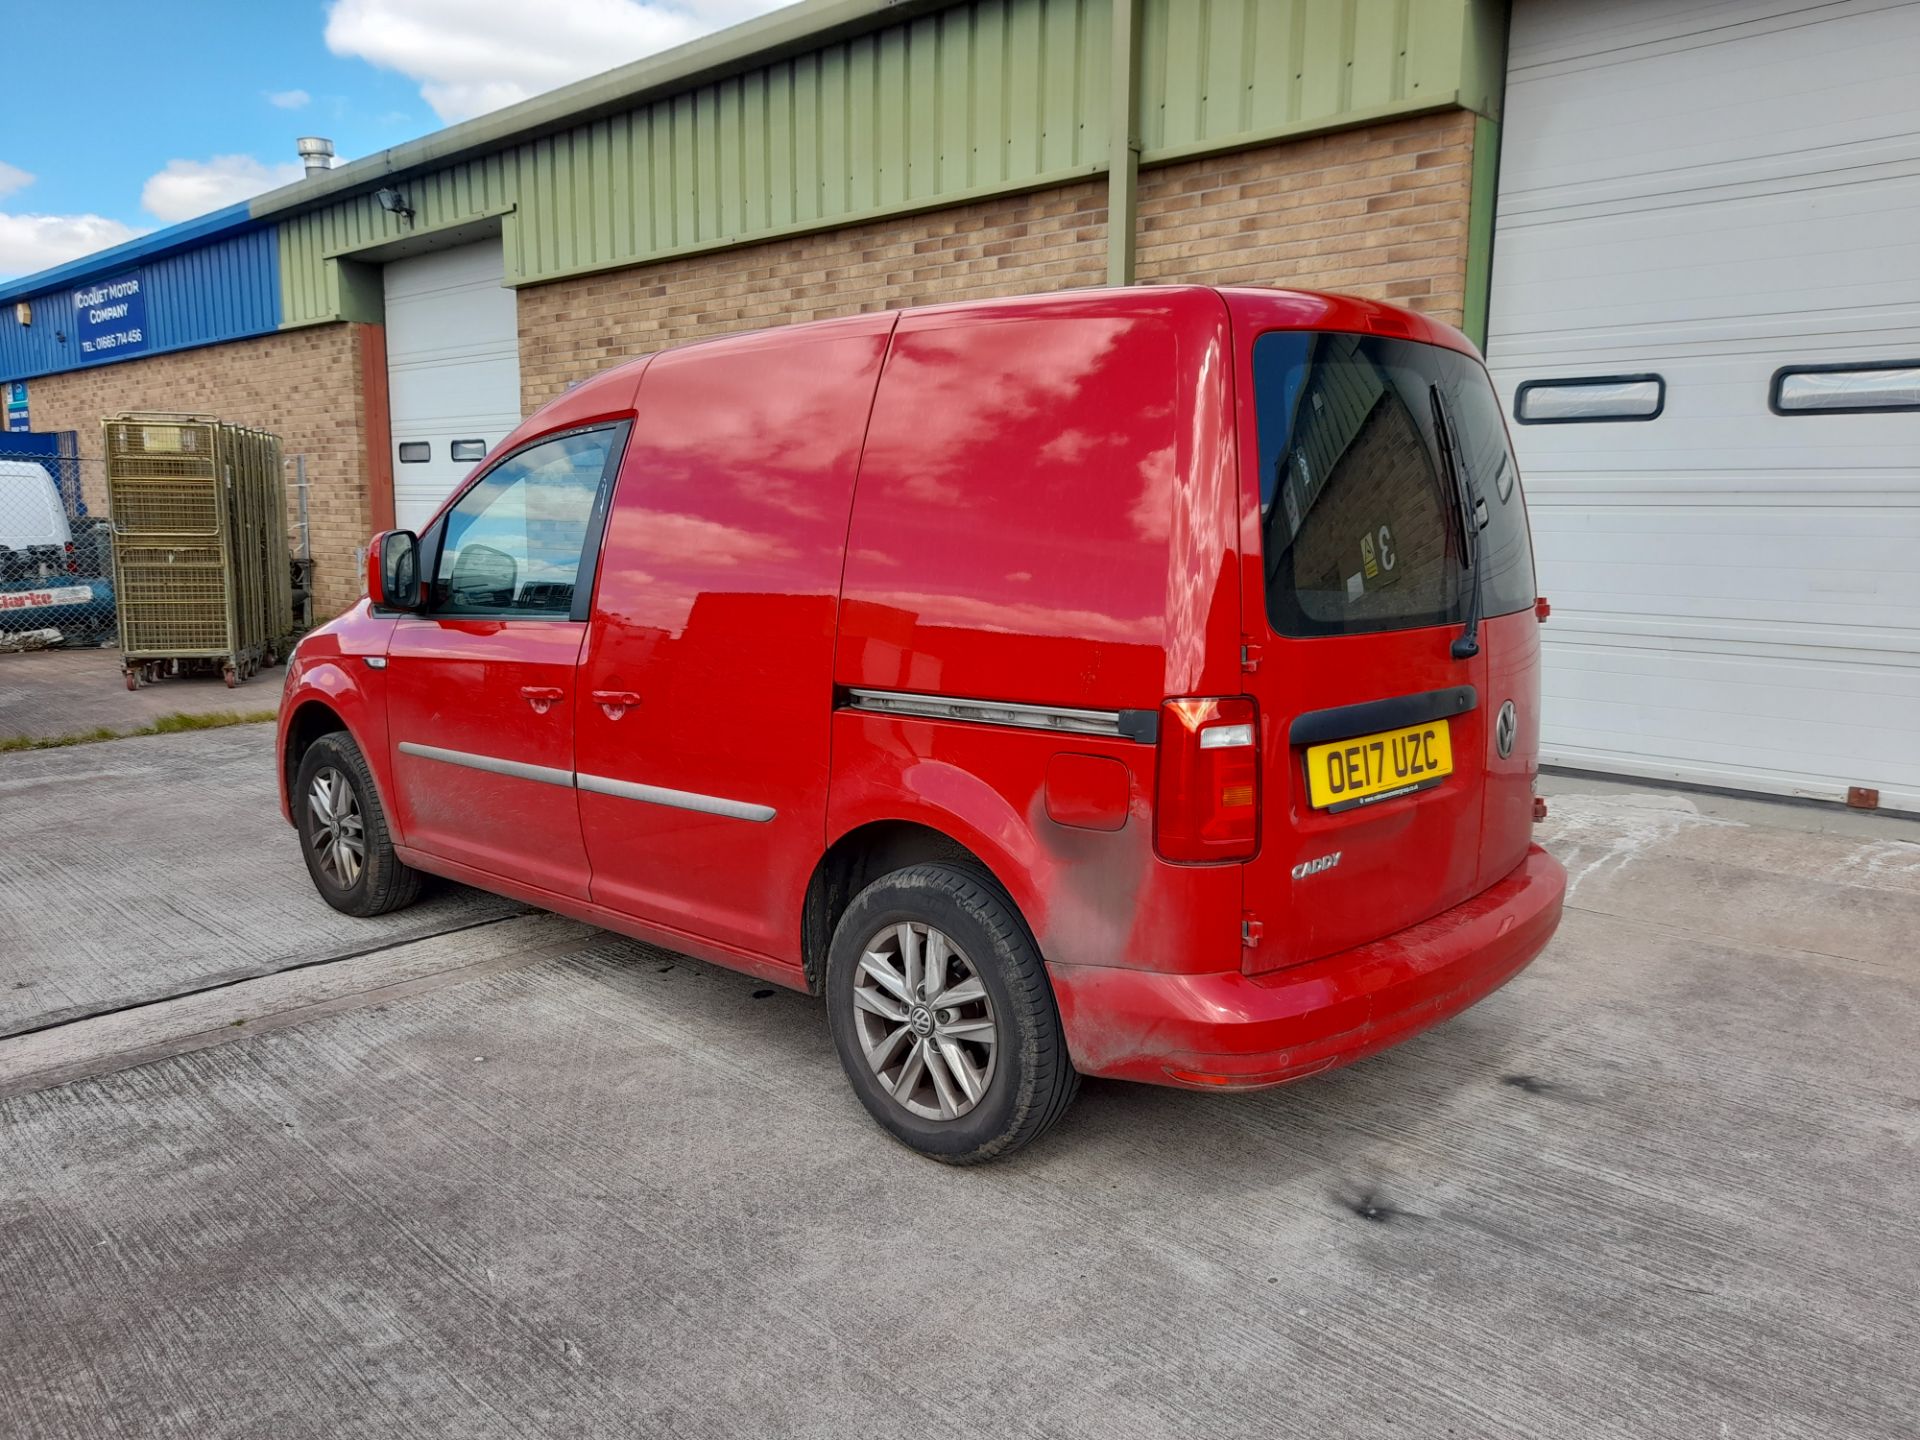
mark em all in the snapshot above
pixel 1682 231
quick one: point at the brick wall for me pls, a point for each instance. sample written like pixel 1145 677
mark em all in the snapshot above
pixel 1048 240
pixel 303 385
pixel 1380 212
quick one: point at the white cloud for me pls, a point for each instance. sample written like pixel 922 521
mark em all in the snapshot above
pixel 472 56
pixel 35 242
pixel 187 188
pixel 289 99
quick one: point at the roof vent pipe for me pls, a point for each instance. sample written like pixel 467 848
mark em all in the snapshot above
pixel 316 153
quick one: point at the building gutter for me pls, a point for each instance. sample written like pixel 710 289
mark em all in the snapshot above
pixel 1123 143
pixel 793 31
pixel 1483 197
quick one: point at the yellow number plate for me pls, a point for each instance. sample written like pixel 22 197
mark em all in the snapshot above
pixel 1371 768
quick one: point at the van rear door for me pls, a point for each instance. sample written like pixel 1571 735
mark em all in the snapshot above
pixel 1376 738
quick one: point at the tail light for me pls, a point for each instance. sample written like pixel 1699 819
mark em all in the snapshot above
pixel 1208 806
pixel 73 565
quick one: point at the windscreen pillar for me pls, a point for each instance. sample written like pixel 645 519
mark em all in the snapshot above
pixel 1123 143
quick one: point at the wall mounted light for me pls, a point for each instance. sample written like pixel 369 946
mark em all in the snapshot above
pixel 394 202
pixel 23 311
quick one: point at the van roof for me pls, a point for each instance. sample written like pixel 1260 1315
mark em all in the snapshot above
pixel 30 508
pixel 1287 309
pixel 613 390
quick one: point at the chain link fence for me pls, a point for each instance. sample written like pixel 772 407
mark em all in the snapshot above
pixel 56 556
pixel 56 547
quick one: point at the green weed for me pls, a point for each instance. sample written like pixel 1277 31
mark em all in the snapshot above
pixel 165 725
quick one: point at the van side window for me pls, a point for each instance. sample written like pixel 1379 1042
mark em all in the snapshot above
pixel 513 543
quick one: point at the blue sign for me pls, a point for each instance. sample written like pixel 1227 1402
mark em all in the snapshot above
pixel 17 421
pixel 110 317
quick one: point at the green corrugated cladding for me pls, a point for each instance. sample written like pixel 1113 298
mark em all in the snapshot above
pixel 978 99
pixel 1219 73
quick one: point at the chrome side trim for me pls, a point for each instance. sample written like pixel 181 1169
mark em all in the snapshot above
pixel 992 712
pixel 599 784
pixel 677 799
pixel 516 768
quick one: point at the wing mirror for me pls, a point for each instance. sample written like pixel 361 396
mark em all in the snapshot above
pixel 393 570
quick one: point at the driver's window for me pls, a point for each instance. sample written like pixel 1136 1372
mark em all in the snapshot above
pixel 513 542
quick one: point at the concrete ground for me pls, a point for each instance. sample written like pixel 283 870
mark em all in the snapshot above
pixel 530 1179
pixel 45 694
pixel 133 870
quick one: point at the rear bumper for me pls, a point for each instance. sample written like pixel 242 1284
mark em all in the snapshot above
pixel 1242 1032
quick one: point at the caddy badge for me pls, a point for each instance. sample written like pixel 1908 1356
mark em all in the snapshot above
pixel 1314 867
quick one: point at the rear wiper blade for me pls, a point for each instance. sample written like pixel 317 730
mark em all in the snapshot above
pixel 1467 644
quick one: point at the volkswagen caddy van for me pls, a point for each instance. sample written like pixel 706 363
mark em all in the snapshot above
pixel 1137 683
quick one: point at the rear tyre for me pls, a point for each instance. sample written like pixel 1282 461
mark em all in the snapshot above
pixel 343 832
pixel 943 1017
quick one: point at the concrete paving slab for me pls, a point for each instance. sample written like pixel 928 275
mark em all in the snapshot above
pixel 1664 859
pixel 49 693
pixel 133 869
pixel 219 1015
pixel 1654 1187
pixel 1780 816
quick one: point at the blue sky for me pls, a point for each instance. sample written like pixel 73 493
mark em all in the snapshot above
pixel 119 117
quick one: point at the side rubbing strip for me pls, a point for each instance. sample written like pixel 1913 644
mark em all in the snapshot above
pixel 1317 726
pixel 518 769
pixel 677 799
pixel 599 784
pixel 1137 725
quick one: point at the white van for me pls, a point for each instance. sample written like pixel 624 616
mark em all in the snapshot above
pixel 47 586
pixel 32 517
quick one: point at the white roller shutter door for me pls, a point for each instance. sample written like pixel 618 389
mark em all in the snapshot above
pixel 453 370
pixel 1709 192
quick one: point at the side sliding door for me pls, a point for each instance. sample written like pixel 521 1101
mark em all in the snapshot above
pixel 707 686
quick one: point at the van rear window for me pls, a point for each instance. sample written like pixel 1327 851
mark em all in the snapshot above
pixel 1360 521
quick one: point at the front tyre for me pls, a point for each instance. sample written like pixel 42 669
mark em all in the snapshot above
pixel 943 1017
pixel 343 832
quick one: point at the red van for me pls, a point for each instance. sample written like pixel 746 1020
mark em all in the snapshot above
pixel 1138 683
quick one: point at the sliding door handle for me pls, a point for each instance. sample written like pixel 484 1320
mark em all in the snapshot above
pixel 541 697
pixel 615 702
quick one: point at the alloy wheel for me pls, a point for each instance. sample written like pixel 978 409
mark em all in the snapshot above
pixel 339 831
pixel 924 1021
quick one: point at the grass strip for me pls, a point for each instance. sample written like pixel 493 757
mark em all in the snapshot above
pixel 165 725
